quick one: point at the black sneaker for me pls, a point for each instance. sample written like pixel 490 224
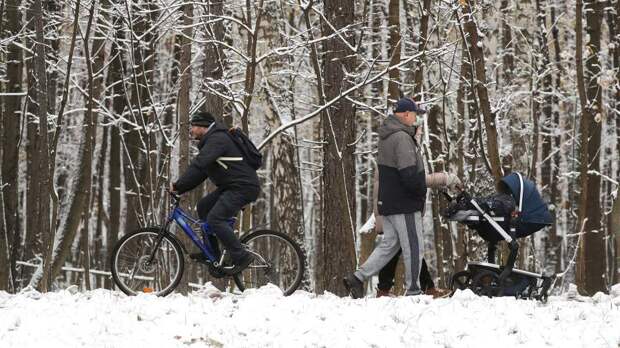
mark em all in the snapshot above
pixel 354 286
pixel 239 265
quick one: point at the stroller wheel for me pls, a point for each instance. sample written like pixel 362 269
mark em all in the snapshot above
pixel 460 281
pixel 486 283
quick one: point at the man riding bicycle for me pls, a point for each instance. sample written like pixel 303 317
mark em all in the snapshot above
pixel 221 160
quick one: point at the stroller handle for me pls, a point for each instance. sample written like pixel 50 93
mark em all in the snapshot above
pixel 462 193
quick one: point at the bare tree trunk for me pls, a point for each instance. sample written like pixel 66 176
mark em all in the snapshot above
pixel 590 263
pixel 11 119
pixel 287 212
pixel 139 143
pixel 85 252
pixel 250 70
pixel 98 60
pixel 423 38
pixel 53 10
pixel 614 230
pixel 336 241
pixel 42 205
pixel 555 240
pixel 461 238
pixel 367 240
pixel 115 74
pixel 184 104
pixel 515 160
pixel 544 71
pixel 507 44
pixel 394 50
pixel 33 245
pixel 613 9
pixel 213 68
pixel 99 248
pixel 443 236
pixel 476 53
pixel 83 181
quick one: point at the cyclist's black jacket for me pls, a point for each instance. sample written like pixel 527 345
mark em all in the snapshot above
pixel 218 160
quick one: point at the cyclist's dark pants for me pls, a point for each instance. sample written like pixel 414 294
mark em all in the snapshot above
pixel 221 205
pixel 388 272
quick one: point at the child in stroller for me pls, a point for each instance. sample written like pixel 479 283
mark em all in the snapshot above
pixel 496 218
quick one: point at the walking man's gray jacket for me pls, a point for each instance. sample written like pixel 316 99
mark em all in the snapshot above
pixel 402 179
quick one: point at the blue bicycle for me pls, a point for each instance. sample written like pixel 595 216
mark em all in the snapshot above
pixel 151 259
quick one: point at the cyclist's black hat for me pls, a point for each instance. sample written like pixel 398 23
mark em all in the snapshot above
pixel 202 119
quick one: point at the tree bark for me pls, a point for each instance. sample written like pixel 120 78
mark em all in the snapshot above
pixel 83 181
pixel 614 33
pixel 461 238
pixel 287 212
pixel 42 205
pixel 33 245
pixel 115 74
pixel 443 237
pixel 250 70
pixel 544 71
pixel 590 263
pixel 507 45
pixel 184 105
pixel 336 236
pixel 614 227
pixel 138 155
pixel 422 40
pixel 555 195
pixel 395 45
pixel 476 53
pixel 213 68
pixel 11 119
pixel 100 261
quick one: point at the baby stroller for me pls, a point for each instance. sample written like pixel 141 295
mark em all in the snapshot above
pixel 496 218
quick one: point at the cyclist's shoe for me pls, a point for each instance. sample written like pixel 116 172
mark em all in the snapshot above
pixel 242 263
pixel 354 286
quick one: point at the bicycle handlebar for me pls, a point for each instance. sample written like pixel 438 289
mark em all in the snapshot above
pixel 175 197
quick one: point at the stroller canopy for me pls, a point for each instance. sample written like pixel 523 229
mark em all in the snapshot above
pixel 534 212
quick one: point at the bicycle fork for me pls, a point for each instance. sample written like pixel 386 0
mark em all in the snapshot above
pixel 162 233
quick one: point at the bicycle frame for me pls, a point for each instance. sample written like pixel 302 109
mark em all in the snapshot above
pixel 179 216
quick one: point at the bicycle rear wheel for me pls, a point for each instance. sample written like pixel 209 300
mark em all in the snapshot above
pixel 277 260
pixel 132 271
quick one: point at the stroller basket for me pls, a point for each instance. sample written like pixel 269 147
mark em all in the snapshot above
pixel 498 218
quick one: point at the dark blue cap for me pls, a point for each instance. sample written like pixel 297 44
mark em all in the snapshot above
pixel 407 104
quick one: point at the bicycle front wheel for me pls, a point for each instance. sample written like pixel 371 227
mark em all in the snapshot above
pixel 278 260
pixel 133 270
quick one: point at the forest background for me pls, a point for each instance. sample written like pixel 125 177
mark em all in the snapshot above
pixel 95 98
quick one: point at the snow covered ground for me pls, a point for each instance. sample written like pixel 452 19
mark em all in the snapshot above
pixel 263 318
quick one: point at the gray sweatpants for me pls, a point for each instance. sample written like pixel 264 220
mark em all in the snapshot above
pixel 400 231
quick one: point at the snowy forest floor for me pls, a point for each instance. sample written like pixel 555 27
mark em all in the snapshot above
pixel 264 318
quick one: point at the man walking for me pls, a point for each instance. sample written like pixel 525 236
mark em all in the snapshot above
pixel 402 194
